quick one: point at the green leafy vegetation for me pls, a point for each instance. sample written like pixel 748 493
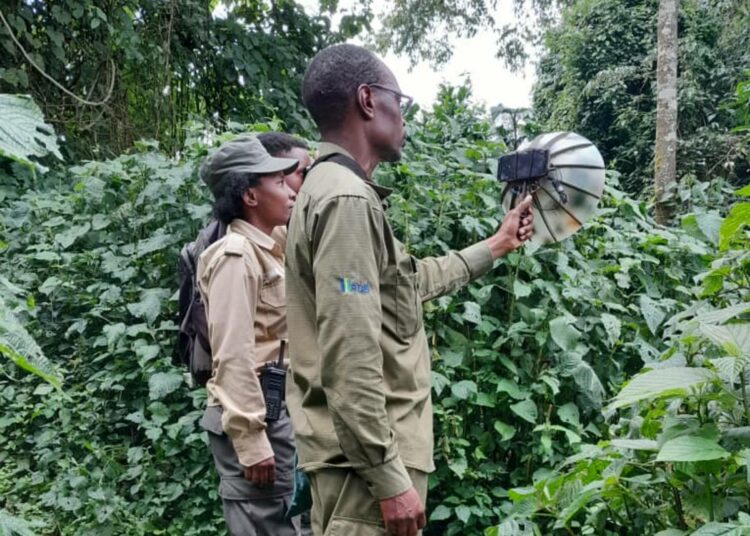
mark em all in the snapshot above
pixel 533 363
pixel 597 76
pixel 119 451
pixel 23 133
pixel 107 74
pixel 596 386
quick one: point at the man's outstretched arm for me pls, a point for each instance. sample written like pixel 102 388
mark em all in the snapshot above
pixel 442 275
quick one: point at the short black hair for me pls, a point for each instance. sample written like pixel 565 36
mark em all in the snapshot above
pixel 228 205
pixel 277 143
pixel 332 78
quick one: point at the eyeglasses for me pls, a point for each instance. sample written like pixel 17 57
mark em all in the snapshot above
pixel 404 101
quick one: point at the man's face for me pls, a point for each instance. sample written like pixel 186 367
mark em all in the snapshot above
pixel 274 198
pixel 388 133
pixel 295 178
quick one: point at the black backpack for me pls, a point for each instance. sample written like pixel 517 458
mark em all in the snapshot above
pixel 192 348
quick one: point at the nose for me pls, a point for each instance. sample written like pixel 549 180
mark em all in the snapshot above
pixel 290 192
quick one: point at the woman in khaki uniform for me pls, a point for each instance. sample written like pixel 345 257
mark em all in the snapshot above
pixel 241 281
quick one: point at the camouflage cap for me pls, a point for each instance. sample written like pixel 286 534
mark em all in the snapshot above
pixel 243 154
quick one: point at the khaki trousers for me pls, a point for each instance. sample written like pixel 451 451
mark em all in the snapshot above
pixel 250 510
pixel 343 505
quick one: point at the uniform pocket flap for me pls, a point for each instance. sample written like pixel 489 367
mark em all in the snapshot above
pixel 211 420
pixel 236 488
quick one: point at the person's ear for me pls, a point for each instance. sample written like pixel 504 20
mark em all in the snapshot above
pixel 365 102
pixel 249 198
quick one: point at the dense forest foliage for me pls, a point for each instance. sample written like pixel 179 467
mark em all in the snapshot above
pixel 595 386
pixel 155 66
pixel 597 77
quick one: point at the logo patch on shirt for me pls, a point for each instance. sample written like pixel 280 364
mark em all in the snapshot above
pixel 347 286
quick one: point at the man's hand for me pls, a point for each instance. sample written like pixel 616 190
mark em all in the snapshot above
pixel 517 228
pixel 262 473
pixel 403 514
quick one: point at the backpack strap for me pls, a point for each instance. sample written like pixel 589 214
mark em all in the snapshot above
pixel 210 234
pixel 354 167
pixel 342 160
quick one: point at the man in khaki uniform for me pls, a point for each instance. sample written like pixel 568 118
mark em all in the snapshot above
pixel 241 281
pixel 359 394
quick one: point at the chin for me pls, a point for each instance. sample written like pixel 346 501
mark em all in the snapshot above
pixel 393 156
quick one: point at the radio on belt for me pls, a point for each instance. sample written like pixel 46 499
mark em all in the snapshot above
pixel 272 383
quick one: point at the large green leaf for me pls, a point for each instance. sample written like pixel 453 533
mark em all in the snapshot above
pixel 569 414
pixel 582 498
pixel 521 289
pixel 635 444
pixel 506 431
pixel 163 383
pixel 68 237
pixel 563 333
pixel 510 527
pixel 23 132
pixel 440 513
pixel 718 529
pixel 439 382
pixel 703 225
pixel 504 385
pixel 463 513
pixel 690 449
pixel 730 367
pixel 472 312
pixel 690 319
pixel 15 526
pixel 526 409
pixel 659 384
pixel 464 389
pixel 737 219
pixel 652 313
pixel 589 383
pixel 17 344
pixel 734 339
pixel 719 316
pixel 709 224
pixel 150 304
pixel 612 326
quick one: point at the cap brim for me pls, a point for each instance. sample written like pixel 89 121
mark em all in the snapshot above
pixel 274 165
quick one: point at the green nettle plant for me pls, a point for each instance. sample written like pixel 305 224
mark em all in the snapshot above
pixel 675 460
pixel 90 252
pixel 525 358
pixel 24 136
pixel 592 386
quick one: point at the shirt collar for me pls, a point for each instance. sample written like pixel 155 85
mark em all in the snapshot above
pixel 326 148
pixel 252 233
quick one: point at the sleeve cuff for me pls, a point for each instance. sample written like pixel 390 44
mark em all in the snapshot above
pixel 387 480
pixel 252 447
pixel 478 258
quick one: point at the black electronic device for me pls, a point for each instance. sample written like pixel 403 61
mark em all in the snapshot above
pixel 564 174
pixel 273 382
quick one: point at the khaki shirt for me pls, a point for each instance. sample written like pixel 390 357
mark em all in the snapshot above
pixel 241 281
pixel 359 390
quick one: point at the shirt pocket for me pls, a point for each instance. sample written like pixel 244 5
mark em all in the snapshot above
pixel 273 291
pixel 408 305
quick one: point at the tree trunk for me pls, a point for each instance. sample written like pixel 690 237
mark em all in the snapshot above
pixel 665 152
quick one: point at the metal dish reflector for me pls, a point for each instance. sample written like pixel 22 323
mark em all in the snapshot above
pixel 568 194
